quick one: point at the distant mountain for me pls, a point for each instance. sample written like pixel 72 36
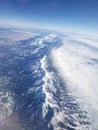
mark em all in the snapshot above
pixel 48 80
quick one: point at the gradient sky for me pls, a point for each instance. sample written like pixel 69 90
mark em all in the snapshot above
pixel 66 15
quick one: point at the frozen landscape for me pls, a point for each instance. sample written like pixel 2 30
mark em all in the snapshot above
pixel 48 80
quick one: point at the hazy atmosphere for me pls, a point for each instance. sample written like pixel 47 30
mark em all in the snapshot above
pixel 48 64
pixel 65 15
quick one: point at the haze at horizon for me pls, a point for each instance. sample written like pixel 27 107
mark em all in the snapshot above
pixel 65 15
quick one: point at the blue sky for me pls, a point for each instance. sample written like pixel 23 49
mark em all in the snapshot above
pixel 66 15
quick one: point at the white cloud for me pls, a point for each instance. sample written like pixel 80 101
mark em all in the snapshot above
pixel 77 63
